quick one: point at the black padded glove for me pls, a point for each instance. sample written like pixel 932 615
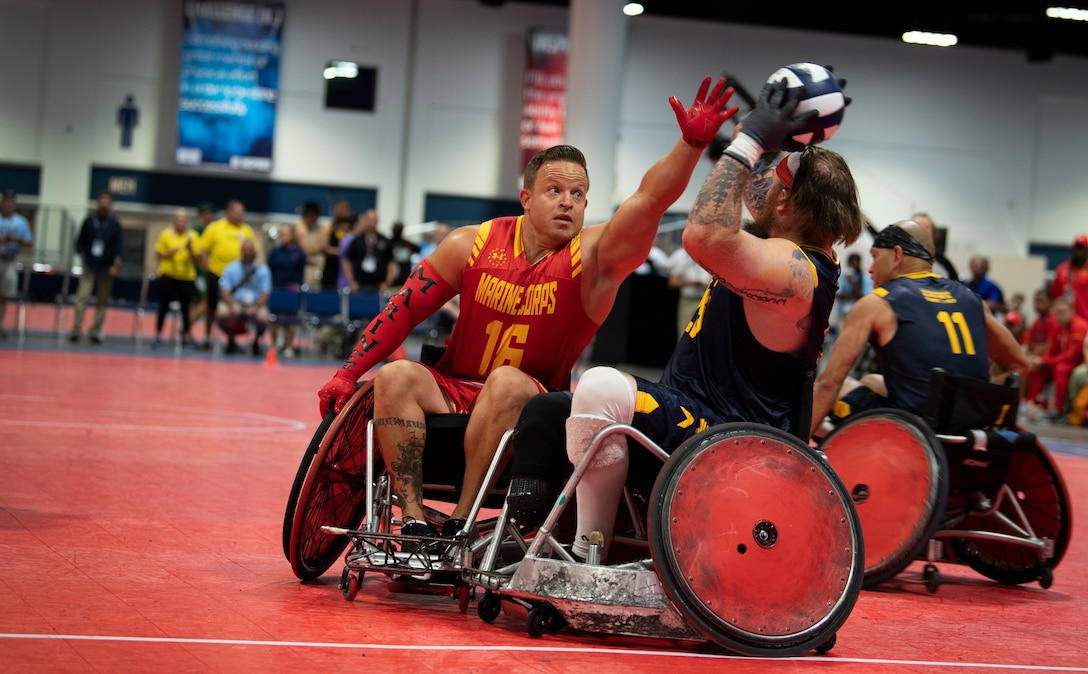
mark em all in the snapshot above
pixel 771 123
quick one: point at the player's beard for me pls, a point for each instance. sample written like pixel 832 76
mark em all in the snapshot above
pixel 761 226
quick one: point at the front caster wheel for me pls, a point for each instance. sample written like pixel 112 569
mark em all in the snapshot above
pixel 349 583
pixel 932 577
pixel 489 607
pixel 538 620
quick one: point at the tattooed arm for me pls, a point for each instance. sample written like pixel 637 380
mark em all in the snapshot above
pixel 764 266
pixel 759 184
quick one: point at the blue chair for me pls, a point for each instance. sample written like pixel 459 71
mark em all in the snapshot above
pixel 324 317
pixel 362 307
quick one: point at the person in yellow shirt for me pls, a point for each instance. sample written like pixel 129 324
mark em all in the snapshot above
pixel 178 250
pixel 221 244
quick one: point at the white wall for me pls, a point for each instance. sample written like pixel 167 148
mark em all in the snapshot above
pixel 988 143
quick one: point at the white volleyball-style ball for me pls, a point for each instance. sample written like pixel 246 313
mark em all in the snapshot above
pixel 822 93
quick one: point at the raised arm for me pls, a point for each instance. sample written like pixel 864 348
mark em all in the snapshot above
pixel 626 239
pixel 770 273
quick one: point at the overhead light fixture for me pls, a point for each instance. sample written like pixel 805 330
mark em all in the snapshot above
pixel 930 39
pixel 633 9
pixel 1069 13
pixel 341 69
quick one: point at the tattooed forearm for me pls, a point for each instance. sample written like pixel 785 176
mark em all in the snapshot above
pixel 396 421
pixel 719 201
pixel 755 192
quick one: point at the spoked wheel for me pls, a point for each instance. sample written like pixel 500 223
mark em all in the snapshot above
pixel 897 476
pixel 332 490
pixel 300 477
pixel 1042 495
pixel 772 564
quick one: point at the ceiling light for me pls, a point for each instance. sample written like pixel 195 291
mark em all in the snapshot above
pixel 931 39
pixel 633 9
pixel 1070 13
pixel 341 69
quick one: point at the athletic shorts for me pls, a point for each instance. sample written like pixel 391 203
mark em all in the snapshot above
pixel 462 393
pixel 669 416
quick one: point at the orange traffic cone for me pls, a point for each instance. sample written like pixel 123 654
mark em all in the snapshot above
pixel 270 359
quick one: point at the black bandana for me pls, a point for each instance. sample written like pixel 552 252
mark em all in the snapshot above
pixel 892 236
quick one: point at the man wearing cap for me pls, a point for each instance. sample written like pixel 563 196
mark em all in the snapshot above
pixel 915 321
pixel 14 236
pixel 1071 277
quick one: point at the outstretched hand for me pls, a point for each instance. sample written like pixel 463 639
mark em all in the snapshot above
pixel 335 393
pixel 772 121
pixel 699 124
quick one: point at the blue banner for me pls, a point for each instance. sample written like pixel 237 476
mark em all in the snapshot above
pixel 230 66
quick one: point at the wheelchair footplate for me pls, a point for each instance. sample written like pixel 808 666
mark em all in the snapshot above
pixel 419 564
pixel 625 599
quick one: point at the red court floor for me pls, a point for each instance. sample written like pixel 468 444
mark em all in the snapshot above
pixel 141 504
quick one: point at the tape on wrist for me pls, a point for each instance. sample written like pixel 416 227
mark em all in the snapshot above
pixel 745 149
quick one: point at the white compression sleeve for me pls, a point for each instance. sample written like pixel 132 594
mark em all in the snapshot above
pixel 603 396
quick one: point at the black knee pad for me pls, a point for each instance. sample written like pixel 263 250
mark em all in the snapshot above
pixel 540 463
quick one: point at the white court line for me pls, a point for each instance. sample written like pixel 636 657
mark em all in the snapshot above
pixel 264 423
pixel 824 659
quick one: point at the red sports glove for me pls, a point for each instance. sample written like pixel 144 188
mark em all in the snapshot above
pixel 700 123
pixel 335 393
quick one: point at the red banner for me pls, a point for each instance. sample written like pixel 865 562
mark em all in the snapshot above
pixel 543 93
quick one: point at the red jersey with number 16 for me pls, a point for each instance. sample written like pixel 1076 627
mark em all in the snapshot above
pixel 515 313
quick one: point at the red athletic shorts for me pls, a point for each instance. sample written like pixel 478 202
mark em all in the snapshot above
pixel 462 393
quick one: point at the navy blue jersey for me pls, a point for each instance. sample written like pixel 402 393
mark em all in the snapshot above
pixel 942 323
pixel 719 361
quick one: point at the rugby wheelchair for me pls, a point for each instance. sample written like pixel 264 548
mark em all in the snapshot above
pixel 961 485
pixel 342 499
pixel 718 552
pixel 747 540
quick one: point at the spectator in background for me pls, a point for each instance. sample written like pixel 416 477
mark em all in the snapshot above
pixel 312 238
pixel 405 254
pixel 1036 338
pixel 984 286
pixel 221 244
pixel 853 285
pixel 368 260
pixel 99 246
pixel 177 249
pixel 244 288
pixel 205 215
pixel 342 220
pixel 288 265
pixel 1065 351
pixel 340 233
pixel 1071 277
pixel 14 237
pixel 441 229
